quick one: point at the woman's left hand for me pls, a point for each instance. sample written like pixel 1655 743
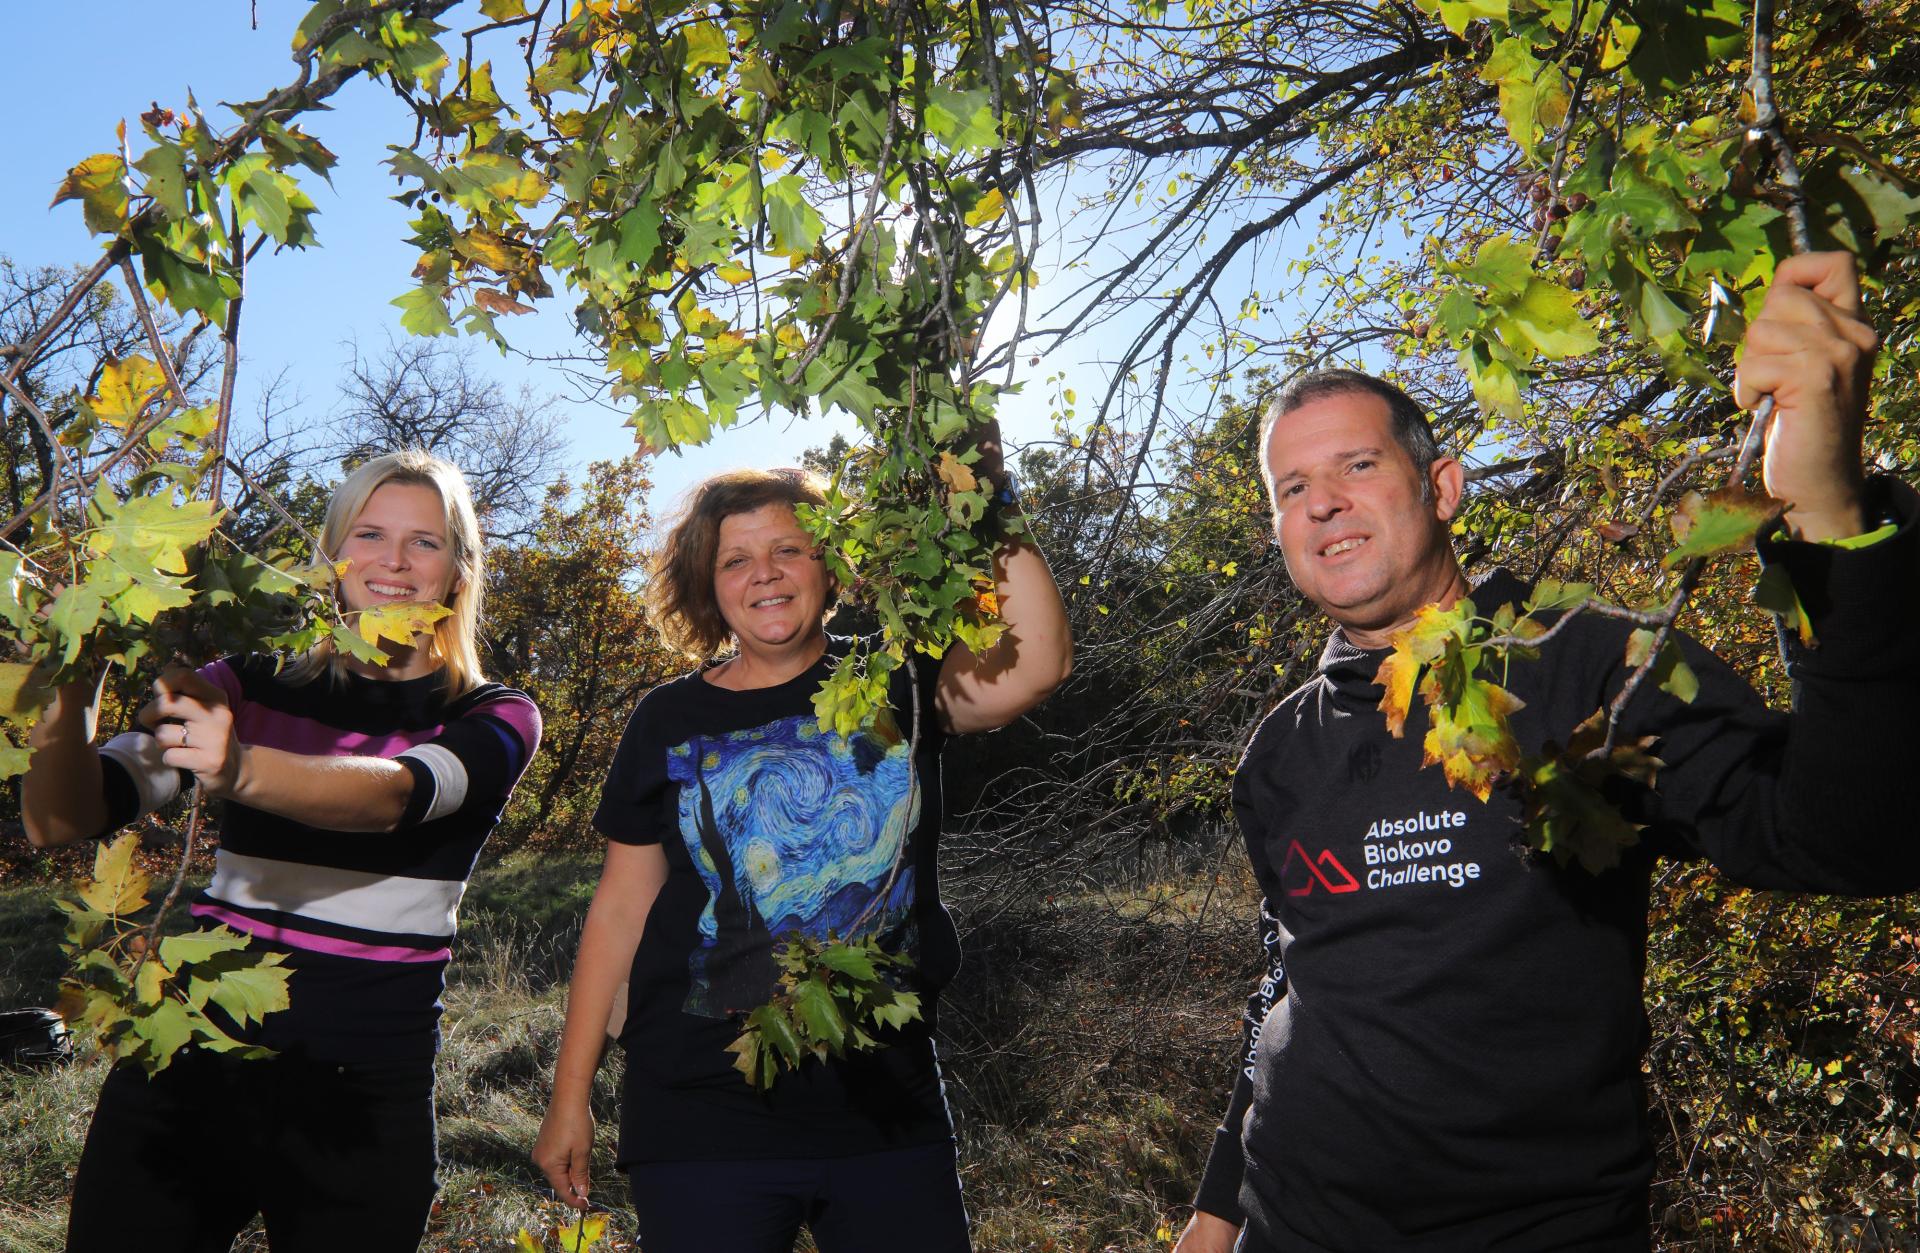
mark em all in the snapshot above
pixel 190 718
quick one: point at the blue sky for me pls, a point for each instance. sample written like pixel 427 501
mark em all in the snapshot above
pixel 303 308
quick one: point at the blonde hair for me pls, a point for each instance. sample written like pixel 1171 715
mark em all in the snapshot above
pixel 455 637
pixel 680 600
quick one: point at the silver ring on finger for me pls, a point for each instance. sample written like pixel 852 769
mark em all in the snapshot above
pixel 183 736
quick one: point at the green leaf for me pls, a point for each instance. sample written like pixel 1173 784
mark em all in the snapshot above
pixel 816 1009
pixel 1550 321
pixel 248 985
pixel 1892 208
pixel 1670 671
pixel 1503 266
pixel 1776 593
pixel 1681 39
pixel 1726 521
pixel 148 598
pixel 639 235
pixel 349 48
pixel 963 120
pixel 855 962
pixel 503 10
pixel 74 615
pixel 164 166
pixel 154 528
pixel 499 177
pixel 14 759
pixel 423 310
pixel 198 946
pixel 1552 594
pixel 165 1030
pixel 901 1010
pixel 796 226
pixel 1567 813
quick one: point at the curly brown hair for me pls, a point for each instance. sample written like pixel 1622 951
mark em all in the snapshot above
pixel 680 601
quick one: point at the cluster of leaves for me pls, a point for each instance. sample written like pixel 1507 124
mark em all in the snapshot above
pixel 835 995
pixel 146 998
pixel 665 165
pixel 136 569
pixel 1470 736
pixel 1680 219
pixel 1470 733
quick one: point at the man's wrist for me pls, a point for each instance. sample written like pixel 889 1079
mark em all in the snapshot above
pixel 1827 525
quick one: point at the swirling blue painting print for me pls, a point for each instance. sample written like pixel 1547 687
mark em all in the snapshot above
pixel 792 830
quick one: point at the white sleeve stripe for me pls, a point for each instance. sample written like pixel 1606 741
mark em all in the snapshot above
pixel 141 756
pixel 449 777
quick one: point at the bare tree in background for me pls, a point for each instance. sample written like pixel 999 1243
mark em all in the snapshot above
pixel 69 362
pixel 424 394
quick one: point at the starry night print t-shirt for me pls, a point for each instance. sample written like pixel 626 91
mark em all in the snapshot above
pixel 772 827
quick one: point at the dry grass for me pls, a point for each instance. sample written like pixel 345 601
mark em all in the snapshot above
pixel 1080 1121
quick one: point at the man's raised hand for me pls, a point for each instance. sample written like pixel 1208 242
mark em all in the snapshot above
pixel 1813 353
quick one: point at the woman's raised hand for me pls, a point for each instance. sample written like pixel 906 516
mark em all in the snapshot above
pixel 190 718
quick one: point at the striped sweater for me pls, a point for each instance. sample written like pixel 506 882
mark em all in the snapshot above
pixel 366 919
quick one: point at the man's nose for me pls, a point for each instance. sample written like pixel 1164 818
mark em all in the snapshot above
pixel 1324 501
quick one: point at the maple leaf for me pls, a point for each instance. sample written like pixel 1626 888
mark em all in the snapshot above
pixel 399 621
pixel 1724 521
pixel 118 886
pixel 498 302
pixel 956 474
pixel 1470 737
pixel 126 385
pixel 1415 648
pixel 1567 812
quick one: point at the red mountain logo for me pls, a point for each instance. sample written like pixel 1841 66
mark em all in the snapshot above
pixel 1324 870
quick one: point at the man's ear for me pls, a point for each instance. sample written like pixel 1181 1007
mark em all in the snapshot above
pixel 1448 481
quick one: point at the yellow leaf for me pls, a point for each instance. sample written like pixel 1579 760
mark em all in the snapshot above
pixel 989 208
pixel 706 45
pixel 956 474
pixel 1413 648
pixel 489 249
pixel 118 886
pixel 125 388
pixel 20 696
pixel 1471 741
pixel 398 622
pixel 583 1234
pixel 732 273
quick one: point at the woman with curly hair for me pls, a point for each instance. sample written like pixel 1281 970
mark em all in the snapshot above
pixel 733 822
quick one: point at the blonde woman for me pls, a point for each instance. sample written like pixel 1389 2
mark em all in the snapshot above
pixel 731 821
pixel 357 797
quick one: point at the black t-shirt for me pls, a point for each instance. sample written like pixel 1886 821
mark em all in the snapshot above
pixel 773 827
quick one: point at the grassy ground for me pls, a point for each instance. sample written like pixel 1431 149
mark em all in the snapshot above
pixel 1088 1042
pixel 1083 1105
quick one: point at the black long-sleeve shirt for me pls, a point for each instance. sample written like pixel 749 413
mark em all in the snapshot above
pixel 1451 1060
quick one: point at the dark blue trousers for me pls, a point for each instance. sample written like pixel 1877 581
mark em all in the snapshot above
pixel 873 1203
pixel 332 1157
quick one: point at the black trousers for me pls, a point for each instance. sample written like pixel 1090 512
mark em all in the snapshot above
pixel 331 1156
pixel 873 1203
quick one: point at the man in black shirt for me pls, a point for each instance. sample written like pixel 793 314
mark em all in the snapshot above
pixel 1444 1054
